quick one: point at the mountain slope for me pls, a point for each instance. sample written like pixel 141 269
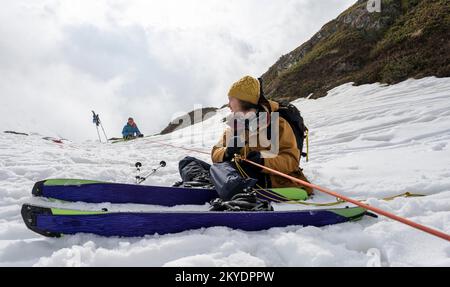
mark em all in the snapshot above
pixel 188 119
pixel 408 39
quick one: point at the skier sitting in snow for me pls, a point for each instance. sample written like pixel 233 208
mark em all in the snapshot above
pixel 130 130
pixel 239 138
pixel 245 98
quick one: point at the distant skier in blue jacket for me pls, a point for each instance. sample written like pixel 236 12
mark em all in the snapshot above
pixel 130 130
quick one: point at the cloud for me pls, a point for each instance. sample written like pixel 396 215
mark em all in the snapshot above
pixel 147 59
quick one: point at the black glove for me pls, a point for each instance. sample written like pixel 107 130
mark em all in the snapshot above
pixel 234 146
pixel 254 156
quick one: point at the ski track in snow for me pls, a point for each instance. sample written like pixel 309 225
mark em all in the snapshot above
pixel 370 141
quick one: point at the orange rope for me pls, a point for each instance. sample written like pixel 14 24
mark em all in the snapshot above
pixel 358 203
pixel 179 147
pixel 413 224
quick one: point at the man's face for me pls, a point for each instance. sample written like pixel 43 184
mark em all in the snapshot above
pixel 130 122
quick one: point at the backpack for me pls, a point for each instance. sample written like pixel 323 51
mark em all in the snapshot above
pixel 292 115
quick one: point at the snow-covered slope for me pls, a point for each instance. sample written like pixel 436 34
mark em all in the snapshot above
pixel 370 142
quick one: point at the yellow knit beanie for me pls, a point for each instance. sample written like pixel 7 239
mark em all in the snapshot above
pixel 246 89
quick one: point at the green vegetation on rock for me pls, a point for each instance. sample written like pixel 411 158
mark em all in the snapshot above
pixel 408 39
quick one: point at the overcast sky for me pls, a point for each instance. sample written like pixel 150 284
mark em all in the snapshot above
pixel 146 59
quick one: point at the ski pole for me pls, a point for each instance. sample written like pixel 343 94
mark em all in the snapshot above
pixel 140 179
pixel 138 166
pixel 98 134
pixel 96 121
pixel 106 138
